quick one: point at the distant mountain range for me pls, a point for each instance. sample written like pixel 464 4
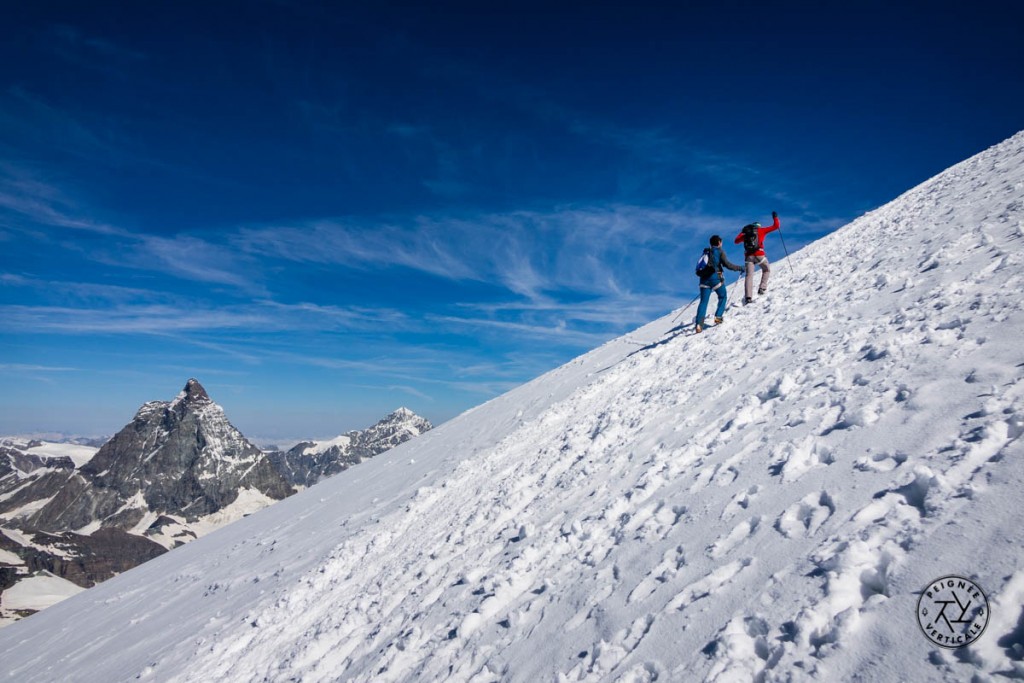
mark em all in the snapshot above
pixel 177 471
pixel 310 461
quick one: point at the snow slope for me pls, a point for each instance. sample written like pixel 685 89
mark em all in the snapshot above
pixel 77 453
pixel 761 502
pixel 39 592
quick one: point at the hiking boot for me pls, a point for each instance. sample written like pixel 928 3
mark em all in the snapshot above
pixel 718 320
pixel 760 292
pixel 698 328
pixel 748 300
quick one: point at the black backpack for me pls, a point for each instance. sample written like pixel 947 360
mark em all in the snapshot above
pixel 705 267
pixel 750 242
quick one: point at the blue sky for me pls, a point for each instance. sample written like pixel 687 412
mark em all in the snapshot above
pixel 324 211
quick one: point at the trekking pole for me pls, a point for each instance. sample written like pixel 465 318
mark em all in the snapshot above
pixel 683 310
pixel 784 244
pixel 736 293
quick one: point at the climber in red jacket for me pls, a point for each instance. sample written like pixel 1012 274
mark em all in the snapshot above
pixel 752 238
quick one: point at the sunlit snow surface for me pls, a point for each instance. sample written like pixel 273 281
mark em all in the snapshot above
pixel 760 502
pixel 39 592
pixel 78 454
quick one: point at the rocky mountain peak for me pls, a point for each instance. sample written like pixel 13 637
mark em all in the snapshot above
pixel 180 458
pixel 193 393
pixel 407 419
pixel 402 418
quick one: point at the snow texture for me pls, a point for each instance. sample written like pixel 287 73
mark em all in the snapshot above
pixel 628 517
pixel 39 592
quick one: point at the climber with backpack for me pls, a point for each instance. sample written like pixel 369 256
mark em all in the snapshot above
pixel 709 270
pixel 752 238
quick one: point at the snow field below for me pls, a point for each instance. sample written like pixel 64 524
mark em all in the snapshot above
pixel 39 592
pixel 760 503
pixel 78 454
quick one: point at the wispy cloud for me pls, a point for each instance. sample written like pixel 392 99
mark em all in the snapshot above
pixel 559 332
pixel 613 312
pixel 419 367
pixel 195 259
pixel 78 47
pixel 412 391
pixel 79 291
pixel 572 276
pixel 531 254
pixel 446 176
pixel 44 206
pixel 23 192
pixel 44 374
pixel 140 319
pixel 354 245
pixel 262 317
pixel 17 367
pixel 654 152
pixel 342 317
pixel 662 153
pixel 71 133
pixel 33 123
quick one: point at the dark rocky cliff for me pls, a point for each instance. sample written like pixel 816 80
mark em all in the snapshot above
pixel 182 458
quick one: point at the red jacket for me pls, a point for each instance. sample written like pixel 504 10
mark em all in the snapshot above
pixel 761 232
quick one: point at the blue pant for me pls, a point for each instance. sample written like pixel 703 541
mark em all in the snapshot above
pixel 705 297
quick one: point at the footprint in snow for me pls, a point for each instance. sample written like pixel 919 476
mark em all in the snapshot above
pixel 909 495
pixel 740 532
pixel 671 563
pixel 709 585
pixel 857 579
pixel 880 462
pixel 741 501
pixel 726 476
pixel 722 474
pixel 806 517
pixel 743 650
pixel 793 460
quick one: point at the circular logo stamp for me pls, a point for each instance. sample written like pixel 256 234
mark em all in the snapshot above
pixel 952 611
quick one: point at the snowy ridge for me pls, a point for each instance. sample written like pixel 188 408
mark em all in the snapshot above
pixel 317 447
pixel 627 517
pixel 39 592
pixel 78 454
pixel 308 462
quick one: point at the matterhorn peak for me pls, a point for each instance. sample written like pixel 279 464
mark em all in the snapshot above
pixel 194 392
pixel 193 397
